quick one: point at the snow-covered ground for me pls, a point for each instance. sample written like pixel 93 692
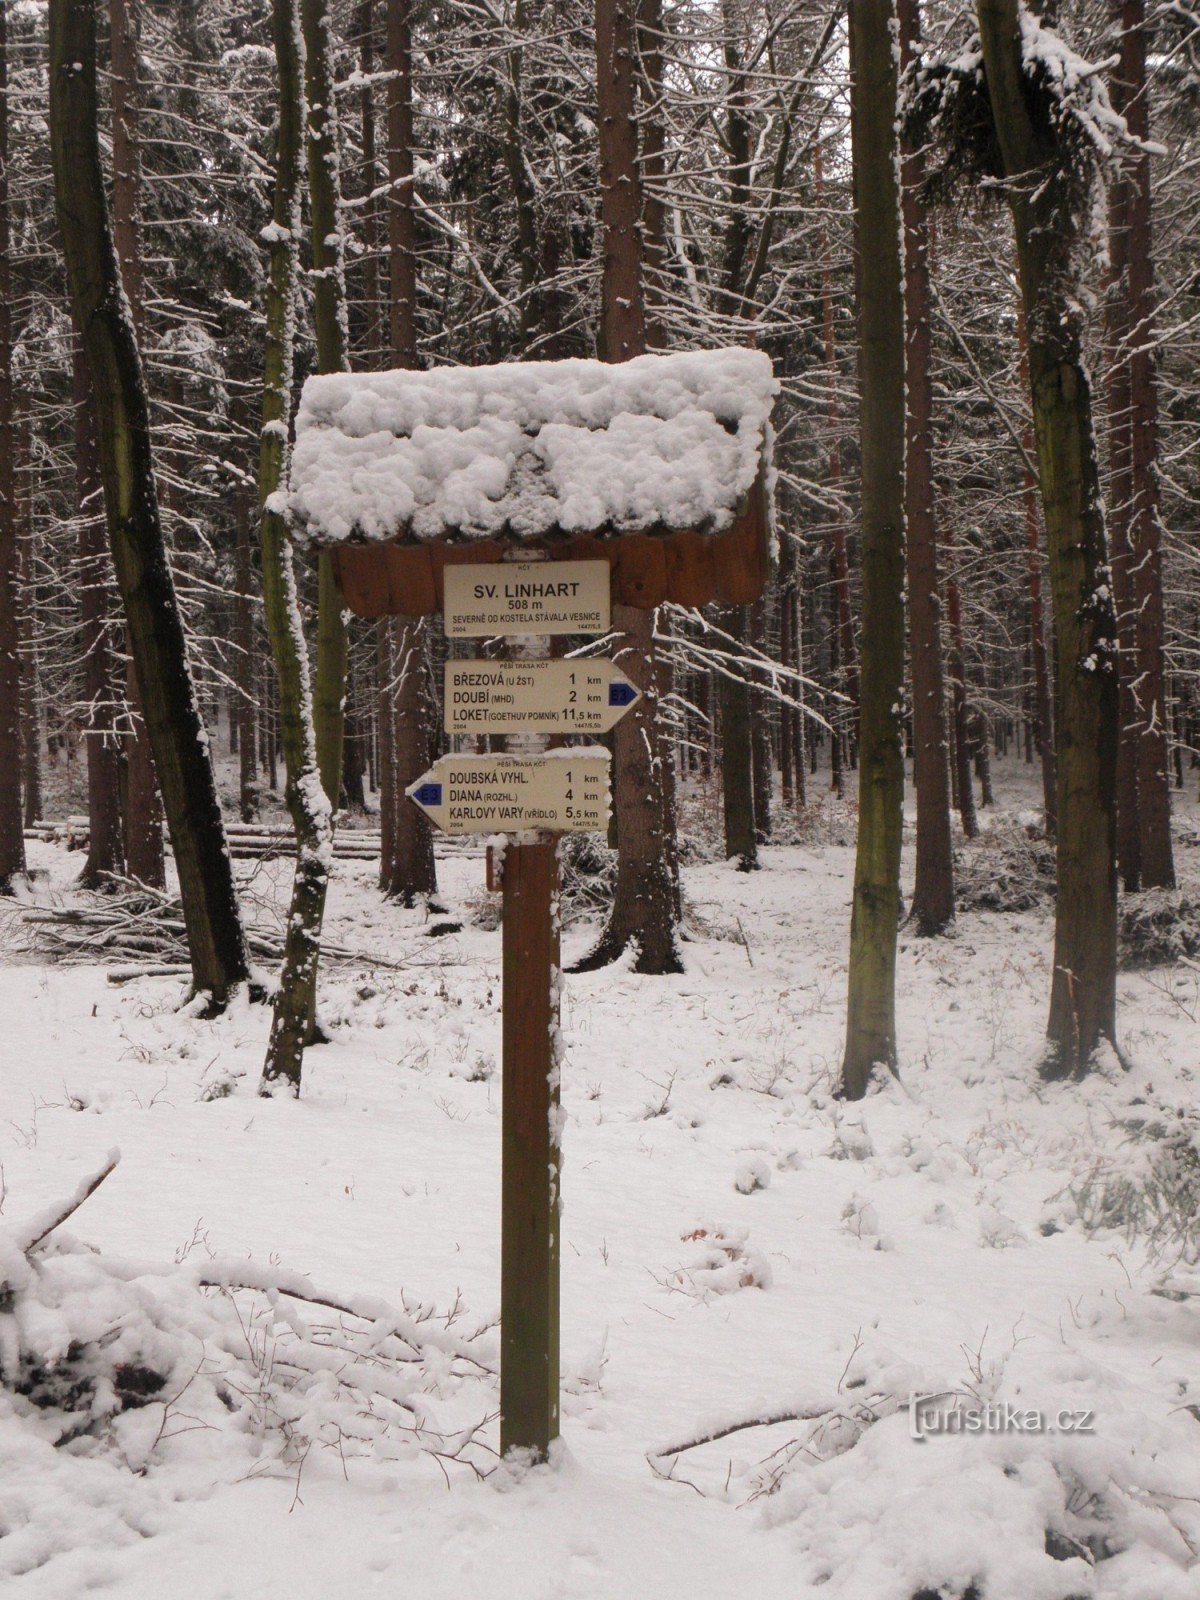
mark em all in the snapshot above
pixel 735 1242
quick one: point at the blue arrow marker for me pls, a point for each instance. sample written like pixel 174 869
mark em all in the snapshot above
pixel 621 694
pixel 429 794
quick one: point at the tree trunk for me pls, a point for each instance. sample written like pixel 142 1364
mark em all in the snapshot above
pixel 1136 287
pixel 142 812
pixel 1043 721
pixel 411 872
pixel 737 772
pixel 1083 992
pixel 306 793
pixel 623 310
pixel 653 171
pixel 156 635
pixel 964 786
pixel 329 315
pixel 242 707
pixel 106 839
pixel 760 737
pixel 31 698
pixel 354 760
pixel 12 834
pixel 844 663
pixel 1121 560
pixel 932 909
pixel 645 901
pixel 871 1007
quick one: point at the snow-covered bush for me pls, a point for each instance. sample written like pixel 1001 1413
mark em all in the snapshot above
pixel 722 1263
pixel 1149 1191
pixel 1159 926
pixel 127 1367
pixel 1097 1501
pixel 588 877
pixel 1008 868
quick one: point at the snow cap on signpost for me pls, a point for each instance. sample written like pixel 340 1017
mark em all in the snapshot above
pixel 660 466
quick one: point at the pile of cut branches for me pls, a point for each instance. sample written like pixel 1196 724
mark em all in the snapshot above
pixel 89 1343
pixel 1008 868
pixel 142 929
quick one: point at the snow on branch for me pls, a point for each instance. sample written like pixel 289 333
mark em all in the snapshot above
pixel 945 105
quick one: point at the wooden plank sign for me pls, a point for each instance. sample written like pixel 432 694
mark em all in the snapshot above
pixel 536 696
pixel 483 599
pixel 564 792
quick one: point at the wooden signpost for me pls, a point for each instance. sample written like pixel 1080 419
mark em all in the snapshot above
pixel 546 551
pixel 534 797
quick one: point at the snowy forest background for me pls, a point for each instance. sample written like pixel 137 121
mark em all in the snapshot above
pixel 280 1354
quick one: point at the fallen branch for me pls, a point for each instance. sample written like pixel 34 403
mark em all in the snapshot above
pixel 40 1227
pixel 804 1411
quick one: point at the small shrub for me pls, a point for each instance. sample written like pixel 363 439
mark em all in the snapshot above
pixel 1008 868
pixel 1159 927
pixel 1151 1190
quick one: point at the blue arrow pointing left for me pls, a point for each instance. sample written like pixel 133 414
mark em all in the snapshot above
pixel 429 794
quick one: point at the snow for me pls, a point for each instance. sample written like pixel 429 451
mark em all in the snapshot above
pixel 660 442
pixel 689 1306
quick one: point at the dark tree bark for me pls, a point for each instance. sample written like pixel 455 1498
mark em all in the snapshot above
pixel 31 737
pixel 12 834
pixel 623 312
pixel 844 662
pixel 792 730
pixel 964 787
pixel 737 771
pixel 242 707
pixel 156 636
pixel 409 872
pixel 645 901
pixel 387 751
pixel 332 339
pixel 413 872
pixel 142 812
pixel 871 1005
pixel 932 909
pixel 1043 721
pixel 106 838
pixel 654 168
pixel 1083 991
pixel 761 737
pixel 1133 264
pixel 1129 838
pixel 402 224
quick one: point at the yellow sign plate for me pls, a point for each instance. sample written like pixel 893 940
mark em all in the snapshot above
pixel 503 597
pixel 536 696
pixel 566 792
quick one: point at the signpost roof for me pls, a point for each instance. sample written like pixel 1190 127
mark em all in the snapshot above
pixel 659 465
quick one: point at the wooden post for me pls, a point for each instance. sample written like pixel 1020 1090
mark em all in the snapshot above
pixel 529 1248
pixel 531 1159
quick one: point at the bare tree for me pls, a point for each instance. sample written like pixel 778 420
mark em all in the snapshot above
pixel 871 1002
pixel 156 636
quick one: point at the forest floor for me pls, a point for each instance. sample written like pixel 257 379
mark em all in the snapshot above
pixel 735 1241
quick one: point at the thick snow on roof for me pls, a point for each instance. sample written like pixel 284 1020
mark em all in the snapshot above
pixel 661 442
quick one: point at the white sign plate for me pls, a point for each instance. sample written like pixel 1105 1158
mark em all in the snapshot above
pixel 501 597
pixel 536 696
pixel 566 792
